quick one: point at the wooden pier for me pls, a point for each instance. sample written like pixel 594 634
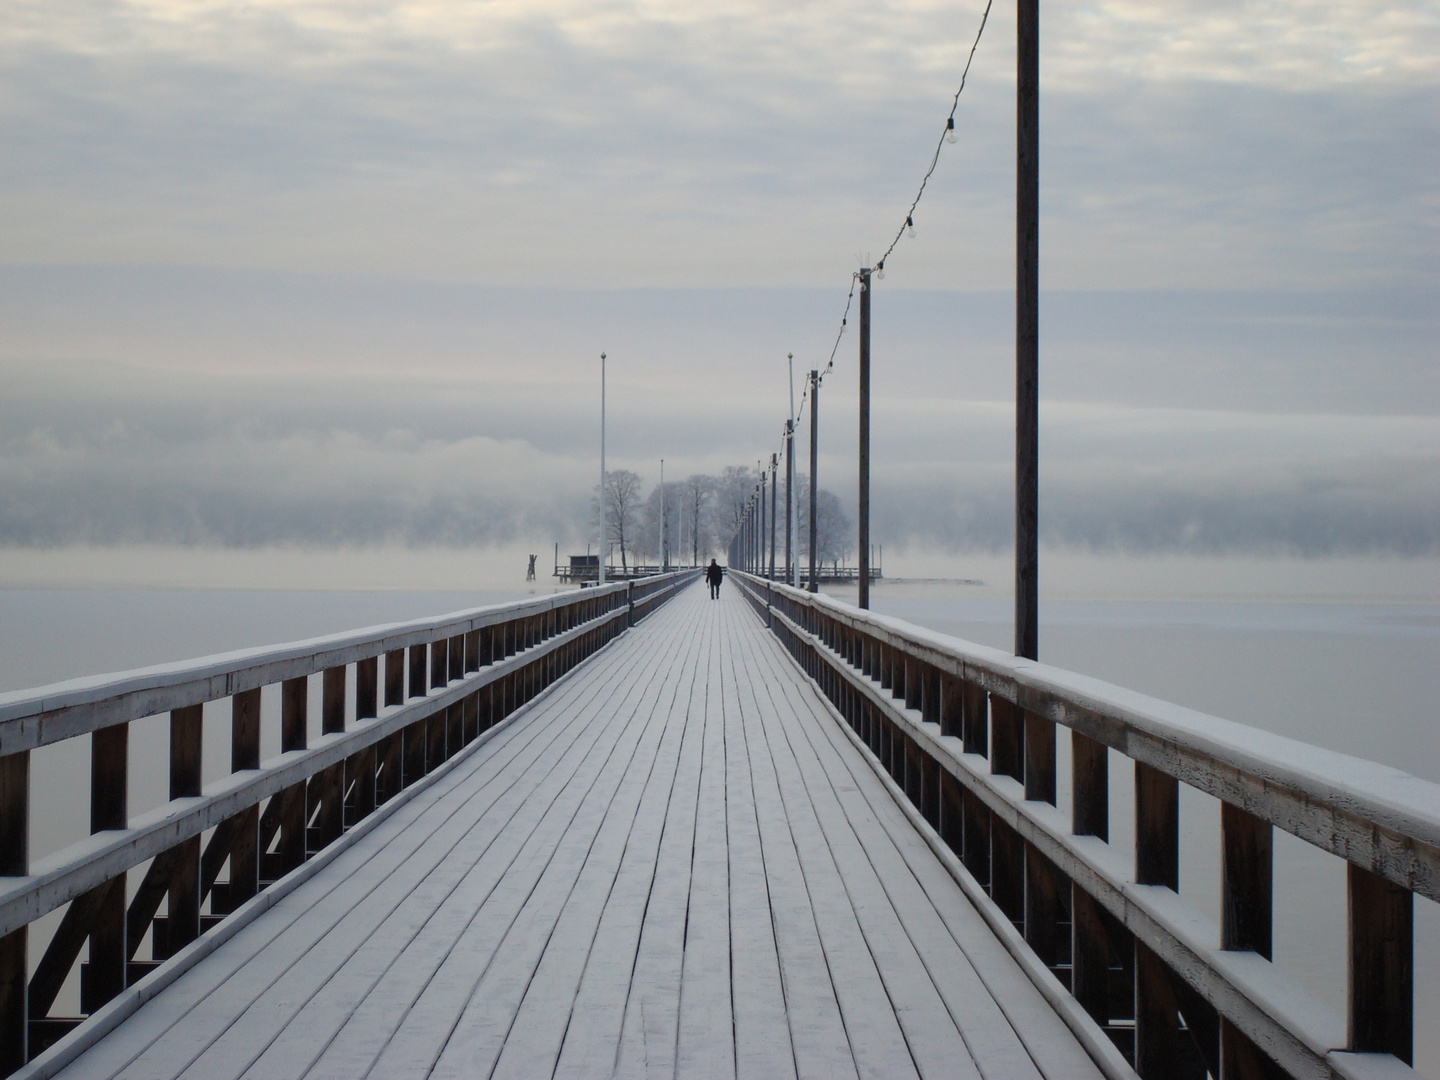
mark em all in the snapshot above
pixel 632 831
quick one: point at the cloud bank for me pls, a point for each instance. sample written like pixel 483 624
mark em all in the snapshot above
pixel 127 456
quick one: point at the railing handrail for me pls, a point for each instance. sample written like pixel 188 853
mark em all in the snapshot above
pixel 42 715
pixel 1379 795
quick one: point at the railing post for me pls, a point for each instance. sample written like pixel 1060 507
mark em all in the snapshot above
pixel 1246 886
pixel 1039 757
pixel 293 812
pixel 182 923
pixel 395 677
pixel 1007 752
pixel 1381 968
pixel 1157 1018
pixel 14 862
pixel 417 670
pixel 367 688
pixel 1089 956
pixel 952 706
pixel 109 809
pixel 245 754
pixel 439 666
pixel 1157 828
pixel 1046 899
pixel 1089 787
pixel 329 785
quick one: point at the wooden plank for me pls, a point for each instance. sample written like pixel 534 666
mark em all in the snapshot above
pixel 908 969
pixel 763 1041
pixel 518 1014
pixel 650 1028
pixel 818 1031
pixel 406 1024
pixel 707 1036
pixel 876 1038
pixel 367 886
pixel 596 1018
pixel 1026 1029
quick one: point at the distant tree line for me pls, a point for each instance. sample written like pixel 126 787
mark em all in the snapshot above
pixel 701 513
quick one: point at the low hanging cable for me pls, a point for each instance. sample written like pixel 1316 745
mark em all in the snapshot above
pixel 948 135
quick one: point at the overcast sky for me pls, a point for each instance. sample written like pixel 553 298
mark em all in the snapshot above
pixel 340 272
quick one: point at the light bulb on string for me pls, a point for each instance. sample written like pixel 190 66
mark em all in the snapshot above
pixel 880 270
pixel 950 130
pixel 910 227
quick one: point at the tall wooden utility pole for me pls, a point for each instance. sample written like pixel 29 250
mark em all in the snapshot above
pixel 1027 332
pixel 864 514
pixel 814 487
pixel 791 575
pixel 774 492
pixel 600 571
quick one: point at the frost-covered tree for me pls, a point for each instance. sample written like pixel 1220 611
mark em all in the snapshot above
pixel 697 492
pixel 622 506
pixel 833 526
pixel 660 522
pixel 733 489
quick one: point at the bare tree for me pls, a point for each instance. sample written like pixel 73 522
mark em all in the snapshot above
pixel 622 504
pixel 733 489
pixel 697 491
pixel 832 524
pixel 658 523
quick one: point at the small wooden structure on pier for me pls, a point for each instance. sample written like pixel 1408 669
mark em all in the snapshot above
pixel 628 830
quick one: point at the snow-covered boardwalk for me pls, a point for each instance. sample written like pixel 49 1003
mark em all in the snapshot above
pixel 674 862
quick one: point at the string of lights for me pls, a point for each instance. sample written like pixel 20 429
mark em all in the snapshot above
pixel 948 135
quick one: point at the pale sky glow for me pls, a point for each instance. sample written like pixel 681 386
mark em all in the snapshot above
pixel 430 204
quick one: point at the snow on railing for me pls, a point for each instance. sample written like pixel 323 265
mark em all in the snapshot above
pixel 396 701
pixel 968 736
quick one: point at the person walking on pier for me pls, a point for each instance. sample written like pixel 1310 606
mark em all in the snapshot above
pixel 713 574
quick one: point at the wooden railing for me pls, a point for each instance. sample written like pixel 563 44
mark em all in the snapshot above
pixel 397 702
pixel 968 735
